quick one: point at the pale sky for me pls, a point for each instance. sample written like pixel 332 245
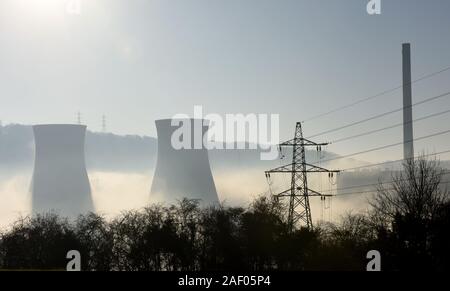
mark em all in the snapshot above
pixel 139 60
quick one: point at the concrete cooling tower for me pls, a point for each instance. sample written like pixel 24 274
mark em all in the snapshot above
pixel 182 173
pixel 60 181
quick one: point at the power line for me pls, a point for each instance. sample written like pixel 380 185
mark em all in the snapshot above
pixel 375 96
pixel 387 146
pixel 394 161
pixel 381 115
pixel 373 191
pixel 389 127
pixel 376 184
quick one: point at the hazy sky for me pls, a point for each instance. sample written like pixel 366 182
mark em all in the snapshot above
pixel 140 60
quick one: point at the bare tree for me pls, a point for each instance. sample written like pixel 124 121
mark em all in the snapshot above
pixel 405 214
pixel 415 192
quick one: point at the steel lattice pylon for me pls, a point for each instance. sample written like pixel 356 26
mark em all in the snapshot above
pixel 299 193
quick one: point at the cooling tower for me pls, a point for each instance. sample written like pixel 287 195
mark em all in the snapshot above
pixel 182 173
pixel 60 181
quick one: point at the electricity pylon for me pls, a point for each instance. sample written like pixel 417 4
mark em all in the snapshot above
pixel 299 193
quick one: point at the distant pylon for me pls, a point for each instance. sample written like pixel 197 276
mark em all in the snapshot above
pixel 103 123
pixel 299 193
pixel 78 117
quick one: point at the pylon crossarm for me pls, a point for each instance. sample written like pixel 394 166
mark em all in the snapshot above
pixel 315 193
pixel 306 142
pixel 298 169
pixel 281 169
pixel 285 193
pixel 313 168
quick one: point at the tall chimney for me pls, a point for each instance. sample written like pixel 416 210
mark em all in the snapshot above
pixel 408 145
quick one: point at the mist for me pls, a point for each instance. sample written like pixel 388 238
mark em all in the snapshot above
pixel 120 170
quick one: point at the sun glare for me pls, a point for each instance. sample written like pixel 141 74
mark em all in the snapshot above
pixel 41 11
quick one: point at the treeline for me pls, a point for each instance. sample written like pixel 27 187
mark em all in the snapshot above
pixel 409 224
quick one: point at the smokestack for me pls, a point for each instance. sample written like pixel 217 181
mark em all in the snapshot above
pixel 182 173
pixel 60 181
pixel 408 145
